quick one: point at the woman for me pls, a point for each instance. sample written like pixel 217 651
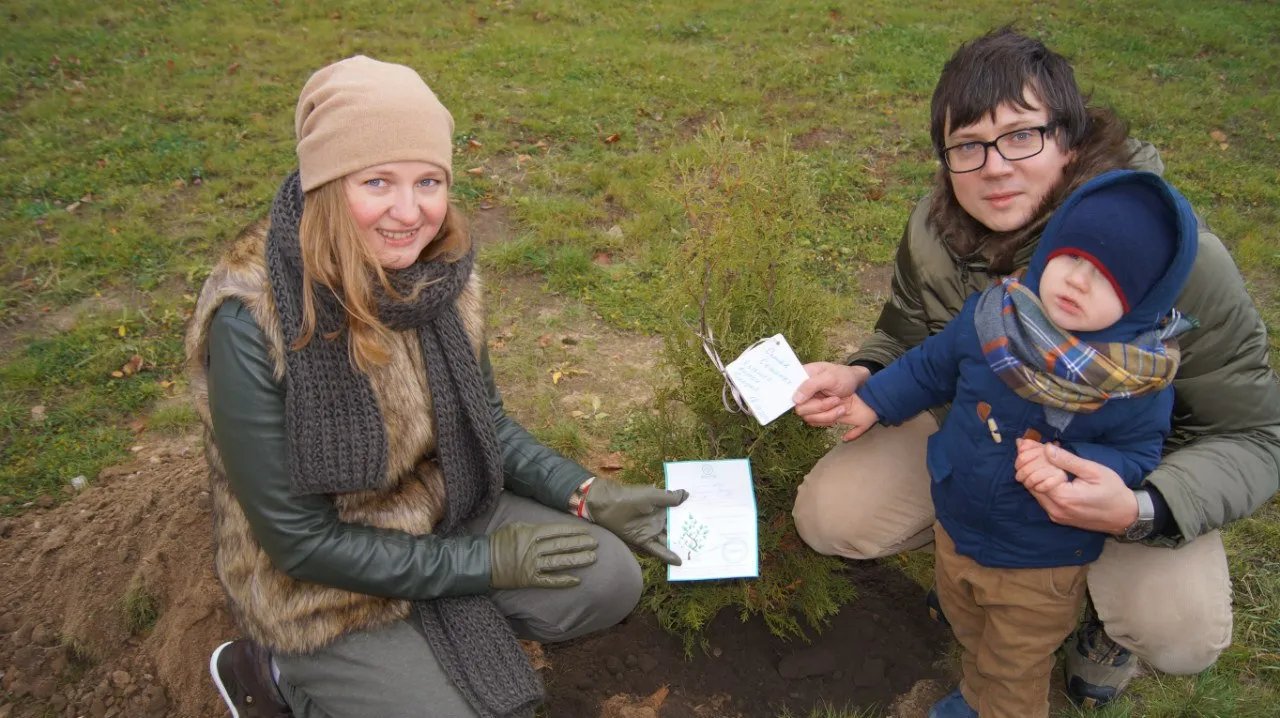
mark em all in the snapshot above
pixel 382 528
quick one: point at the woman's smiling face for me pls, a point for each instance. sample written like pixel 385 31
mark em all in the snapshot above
pixel 399 208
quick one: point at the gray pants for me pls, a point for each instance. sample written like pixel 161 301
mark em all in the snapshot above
pixel 391 673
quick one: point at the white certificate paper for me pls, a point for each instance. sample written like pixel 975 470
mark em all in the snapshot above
pixel 767 376
pixel 714 531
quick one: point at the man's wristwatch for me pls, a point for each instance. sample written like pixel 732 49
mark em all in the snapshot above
pixel 1142 526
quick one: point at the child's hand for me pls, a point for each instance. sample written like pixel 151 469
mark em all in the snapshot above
pixel 858 415
pixel 1033 469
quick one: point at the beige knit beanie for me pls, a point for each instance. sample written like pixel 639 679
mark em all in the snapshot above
pixel 359 112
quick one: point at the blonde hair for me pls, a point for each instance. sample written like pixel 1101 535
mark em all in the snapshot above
pixel 335 256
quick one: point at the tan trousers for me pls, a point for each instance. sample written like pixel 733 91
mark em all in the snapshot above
pixel 1009 621
pixel 870 498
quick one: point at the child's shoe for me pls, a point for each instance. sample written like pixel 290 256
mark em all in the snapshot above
pixel 1097 668
pixel 952 706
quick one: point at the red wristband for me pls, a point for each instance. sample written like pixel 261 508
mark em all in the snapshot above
pixel 583 503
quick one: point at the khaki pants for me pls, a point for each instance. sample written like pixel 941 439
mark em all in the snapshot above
pixel 870 498
pixel 1009 621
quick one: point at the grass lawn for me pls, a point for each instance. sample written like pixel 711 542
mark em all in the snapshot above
pixel 138 138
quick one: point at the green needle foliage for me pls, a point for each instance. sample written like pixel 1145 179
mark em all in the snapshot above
pixel 739 277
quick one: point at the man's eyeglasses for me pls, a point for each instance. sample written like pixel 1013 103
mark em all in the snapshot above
pixel 1013 146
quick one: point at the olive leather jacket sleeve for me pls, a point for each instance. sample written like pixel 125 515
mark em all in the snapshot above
pixel 302 534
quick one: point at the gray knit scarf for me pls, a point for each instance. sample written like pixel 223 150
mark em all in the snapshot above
pixel 338 440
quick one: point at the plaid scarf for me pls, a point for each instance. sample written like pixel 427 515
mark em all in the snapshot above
pixel 1050 366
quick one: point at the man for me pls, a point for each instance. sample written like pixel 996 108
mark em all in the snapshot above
pixel 1014 137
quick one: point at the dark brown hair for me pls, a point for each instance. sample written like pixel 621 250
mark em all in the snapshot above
pixel 997 69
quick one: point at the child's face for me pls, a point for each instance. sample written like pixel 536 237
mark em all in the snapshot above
pixel 1077 297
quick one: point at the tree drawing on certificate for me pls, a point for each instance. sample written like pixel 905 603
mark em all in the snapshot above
pixel 693 535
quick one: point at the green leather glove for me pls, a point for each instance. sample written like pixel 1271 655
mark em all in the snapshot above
pixel 636 514
pixel 531 555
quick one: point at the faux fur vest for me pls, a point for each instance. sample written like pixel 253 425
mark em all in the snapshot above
pixel 273 609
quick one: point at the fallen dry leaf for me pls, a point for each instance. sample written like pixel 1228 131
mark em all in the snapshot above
pixel 603 259
pixel 1223 145
pixel 133 366
pixel 544 340
pixel 1218 136
pixel 474 144
pixel 563 372
pixel 658 697
pixel 233 68
pixel 537 657
pixel 476 171
pixel 612 138
pixel 612 462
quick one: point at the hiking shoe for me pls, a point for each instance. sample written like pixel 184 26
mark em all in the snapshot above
pixel 242 672
pixel 952 706
pixel 1097 668
pixel 935 608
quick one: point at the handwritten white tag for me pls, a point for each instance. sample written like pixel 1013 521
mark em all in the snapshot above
pixel 767 375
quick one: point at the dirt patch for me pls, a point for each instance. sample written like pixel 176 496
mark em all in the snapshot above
pixel 533 333
pixel 38 322
pixel 878 647
pixel 875 282
pixel 819 138
pixel 490 226
pixel 110 606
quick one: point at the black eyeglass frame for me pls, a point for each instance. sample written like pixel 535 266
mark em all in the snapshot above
pixel 1044 131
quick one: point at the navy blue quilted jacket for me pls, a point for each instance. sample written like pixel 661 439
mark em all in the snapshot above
pixel 989 515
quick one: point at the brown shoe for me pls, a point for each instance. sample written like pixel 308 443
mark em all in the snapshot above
pixel 242 672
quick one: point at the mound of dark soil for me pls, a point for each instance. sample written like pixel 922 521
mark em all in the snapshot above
pixel 874 651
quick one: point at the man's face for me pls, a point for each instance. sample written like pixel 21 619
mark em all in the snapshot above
pixel 1004 195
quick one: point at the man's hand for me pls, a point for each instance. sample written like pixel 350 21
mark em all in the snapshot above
pixel 822 399
pixel 1097 500
pixel 857 415
pixel 635 514
pixel 1033 468
pixel 535 555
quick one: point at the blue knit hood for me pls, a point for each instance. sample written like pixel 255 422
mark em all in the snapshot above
pixel 1151 310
